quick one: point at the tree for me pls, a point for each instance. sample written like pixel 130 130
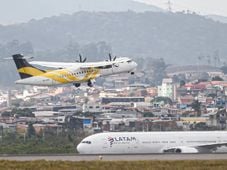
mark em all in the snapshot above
pixel 31 131
pixel 203 77
pixel 217 78
pixel 196 105
pixel 6 114
pixel 148 114
pixel 166 100
pixel 23 112
pixel 224 69
pixel 158 66
pixel 182 83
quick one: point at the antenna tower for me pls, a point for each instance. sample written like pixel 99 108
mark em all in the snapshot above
pixel 169 4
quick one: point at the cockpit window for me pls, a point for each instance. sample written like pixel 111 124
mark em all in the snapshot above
pixel 87 142
pixel 129 61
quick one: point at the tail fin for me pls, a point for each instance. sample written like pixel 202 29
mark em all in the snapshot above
pixel 25 69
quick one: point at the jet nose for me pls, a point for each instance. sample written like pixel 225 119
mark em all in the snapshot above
pixel 134 64
pixel 82 149
pixel 79 148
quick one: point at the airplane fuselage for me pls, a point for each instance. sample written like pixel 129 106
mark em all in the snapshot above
pixel 151 142
pixel 77 75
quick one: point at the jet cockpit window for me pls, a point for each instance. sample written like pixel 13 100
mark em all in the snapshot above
pixel 129 61
pixel 87 142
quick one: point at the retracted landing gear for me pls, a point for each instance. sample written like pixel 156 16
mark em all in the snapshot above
pixel 76 84
pixel 90 83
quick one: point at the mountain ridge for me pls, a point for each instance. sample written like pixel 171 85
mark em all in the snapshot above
pixel 218 18
pixel 25 10
pixel 154 34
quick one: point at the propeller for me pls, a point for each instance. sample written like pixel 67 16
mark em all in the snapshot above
pixel 110 58
pixel 113 59
pixel 81 59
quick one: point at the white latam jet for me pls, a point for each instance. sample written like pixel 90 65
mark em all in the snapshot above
pixel 75 73
pixel 153 142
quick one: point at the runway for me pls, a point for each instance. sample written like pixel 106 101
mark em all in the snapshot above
pixel 222 156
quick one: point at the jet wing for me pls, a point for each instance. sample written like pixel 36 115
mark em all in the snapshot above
pixel 212 146
pixel 194 149
pixel 102 64
pixel 53 64
pixel 181 149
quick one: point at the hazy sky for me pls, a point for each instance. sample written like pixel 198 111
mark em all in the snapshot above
pixel 218 7
pixel 16 11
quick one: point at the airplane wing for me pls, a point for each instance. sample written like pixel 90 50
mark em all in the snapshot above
pixel 212 146
pixel 194 149
pixel 53 64
pixel 102 64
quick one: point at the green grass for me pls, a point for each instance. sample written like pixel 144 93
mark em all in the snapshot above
pixel 114 165
pixel 37 147
pixel 51 144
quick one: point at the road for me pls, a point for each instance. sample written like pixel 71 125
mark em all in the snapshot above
pixel 222 156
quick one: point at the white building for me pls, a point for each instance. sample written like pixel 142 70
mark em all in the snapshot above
pixel 92 107
pixel 166 89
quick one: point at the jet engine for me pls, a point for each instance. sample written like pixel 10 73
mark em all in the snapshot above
pixel 181 149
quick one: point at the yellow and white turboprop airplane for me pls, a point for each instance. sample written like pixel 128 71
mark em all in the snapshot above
pixel 75 73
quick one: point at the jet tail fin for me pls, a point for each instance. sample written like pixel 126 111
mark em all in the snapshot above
pixel 25 69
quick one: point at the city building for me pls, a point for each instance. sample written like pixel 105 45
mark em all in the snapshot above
pixel 166 89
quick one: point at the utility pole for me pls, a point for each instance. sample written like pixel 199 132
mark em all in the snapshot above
pixel 9 98
pixel 225 92
pixel 216 58
pixel 169 5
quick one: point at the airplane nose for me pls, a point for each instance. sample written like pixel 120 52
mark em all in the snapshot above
pixel 135 64
pixel 79 148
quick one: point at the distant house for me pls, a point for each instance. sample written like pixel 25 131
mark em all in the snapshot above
pixel 92 107
pixel 185 100
pixel 191 71
pixel 106 100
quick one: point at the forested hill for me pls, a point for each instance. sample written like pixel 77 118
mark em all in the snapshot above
pixel 176 37
pixel 24 10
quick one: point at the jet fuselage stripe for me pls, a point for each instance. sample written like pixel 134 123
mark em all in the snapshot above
pixel 65 76
pixel 30 71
